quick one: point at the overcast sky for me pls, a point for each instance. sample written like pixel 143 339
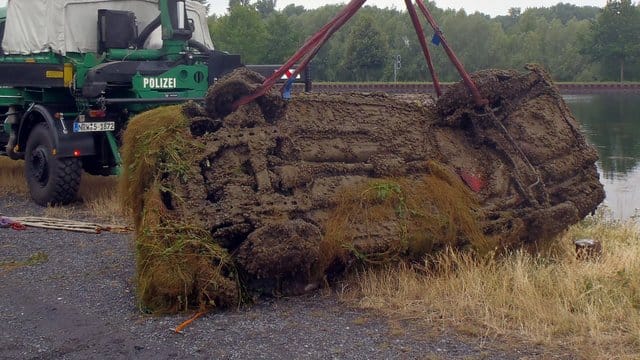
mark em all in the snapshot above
pixel 492 7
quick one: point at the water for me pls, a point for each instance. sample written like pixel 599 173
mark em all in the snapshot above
pixel 612 124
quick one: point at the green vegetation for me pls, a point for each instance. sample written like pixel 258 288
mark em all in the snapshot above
pixel 615 37
pixel 242 32
pixel 33 260
pixel 366 51
pixel 574 43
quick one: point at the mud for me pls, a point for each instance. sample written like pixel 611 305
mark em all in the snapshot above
pixel 298 192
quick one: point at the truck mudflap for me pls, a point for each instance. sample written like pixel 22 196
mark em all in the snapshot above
pixel 66 142
pixel 76 144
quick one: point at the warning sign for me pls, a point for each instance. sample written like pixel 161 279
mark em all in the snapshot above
pixel 287 75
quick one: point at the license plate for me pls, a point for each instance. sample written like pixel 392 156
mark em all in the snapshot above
pixel 94 126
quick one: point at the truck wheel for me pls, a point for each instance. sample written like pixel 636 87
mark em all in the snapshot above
pixel 51 180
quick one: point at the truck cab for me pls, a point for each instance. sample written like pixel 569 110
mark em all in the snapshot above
pixel 72 72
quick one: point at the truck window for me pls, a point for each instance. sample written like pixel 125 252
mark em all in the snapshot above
pixel 1 34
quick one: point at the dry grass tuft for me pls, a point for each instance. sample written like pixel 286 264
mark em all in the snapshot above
pixel 12 177
pixel 101 199
pixel 179 267
pixel 590 308
pixel 154 139
pixel 98 194
pixel 416 217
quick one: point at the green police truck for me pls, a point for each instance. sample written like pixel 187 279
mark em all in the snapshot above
pixel 72 72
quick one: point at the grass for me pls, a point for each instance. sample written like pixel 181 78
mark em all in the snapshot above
pixel 179 266
pixel 98 194
pixel 414 216
pixel 12 179
pixel 100 197
pixel 33 260
pixel 589 308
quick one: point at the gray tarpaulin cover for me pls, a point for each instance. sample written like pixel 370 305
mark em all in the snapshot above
pixel 62 26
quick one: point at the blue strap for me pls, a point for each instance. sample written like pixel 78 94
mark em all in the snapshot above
pixel 436 39
pixel 288 86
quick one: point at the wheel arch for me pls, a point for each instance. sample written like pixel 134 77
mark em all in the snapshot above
pixel 34 115
pixel 65 142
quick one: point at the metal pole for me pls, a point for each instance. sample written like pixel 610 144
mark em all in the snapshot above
pixel 395 69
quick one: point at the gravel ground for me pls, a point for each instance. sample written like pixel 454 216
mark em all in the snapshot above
pixel 80 303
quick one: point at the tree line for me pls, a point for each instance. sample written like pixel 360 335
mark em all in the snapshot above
pixel 574 43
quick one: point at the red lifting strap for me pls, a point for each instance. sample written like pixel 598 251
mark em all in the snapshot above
pixel 423 44
pixel 336 24
pixel 477 98
pixel 315 43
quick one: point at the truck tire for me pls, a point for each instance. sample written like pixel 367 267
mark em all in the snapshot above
pixel 51 180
